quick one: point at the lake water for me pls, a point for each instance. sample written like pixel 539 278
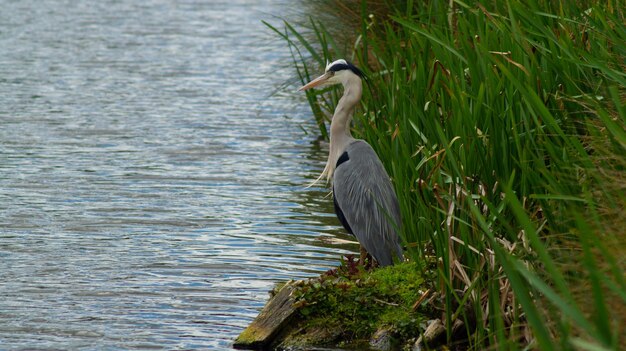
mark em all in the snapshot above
pixel 152 173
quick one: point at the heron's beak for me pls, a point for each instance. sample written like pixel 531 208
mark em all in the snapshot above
pixel 317 81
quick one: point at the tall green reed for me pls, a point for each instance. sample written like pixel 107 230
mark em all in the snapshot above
pixel 502 126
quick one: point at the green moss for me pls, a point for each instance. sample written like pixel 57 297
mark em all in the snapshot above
pixel 249 336
pixel 357 303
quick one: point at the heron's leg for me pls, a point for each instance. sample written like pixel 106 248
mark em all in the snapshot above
pixel 362 256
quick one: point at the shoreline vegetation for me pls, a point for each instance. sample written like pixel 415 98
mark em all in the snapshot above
pixel 503 127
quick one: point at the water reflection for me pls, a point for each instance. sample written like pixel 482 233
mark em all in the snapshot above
pixel 151 187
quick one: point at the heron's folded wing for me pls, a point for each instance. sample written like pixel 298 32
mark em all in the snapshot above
pixel 364 194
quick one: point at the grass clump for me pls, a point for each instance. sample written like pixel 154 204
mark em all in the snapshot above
pixel 502 125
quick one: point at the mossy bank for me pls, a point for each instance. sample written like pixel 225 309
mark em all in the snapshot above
pixel 348 307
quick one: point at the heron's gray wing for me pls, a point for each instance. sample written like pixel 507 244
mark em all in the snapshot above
pixel 365 197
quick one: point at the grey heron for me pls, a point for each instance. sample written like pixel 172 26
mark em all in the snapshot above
pixel 364 198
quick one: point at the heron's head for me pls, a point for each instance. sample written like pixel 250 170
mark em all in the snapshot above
pixel 337 72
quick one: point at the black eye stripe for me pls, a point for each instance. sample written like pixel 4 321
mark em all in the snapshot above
pixel 343 66
pixel 338 67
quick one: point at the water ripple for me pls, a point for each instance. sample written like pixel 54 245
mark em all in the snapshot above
pixel 152 190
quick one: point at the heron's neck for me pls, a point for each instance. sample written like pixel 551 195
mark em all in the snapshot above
pixel 340 135
pixel 340 124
